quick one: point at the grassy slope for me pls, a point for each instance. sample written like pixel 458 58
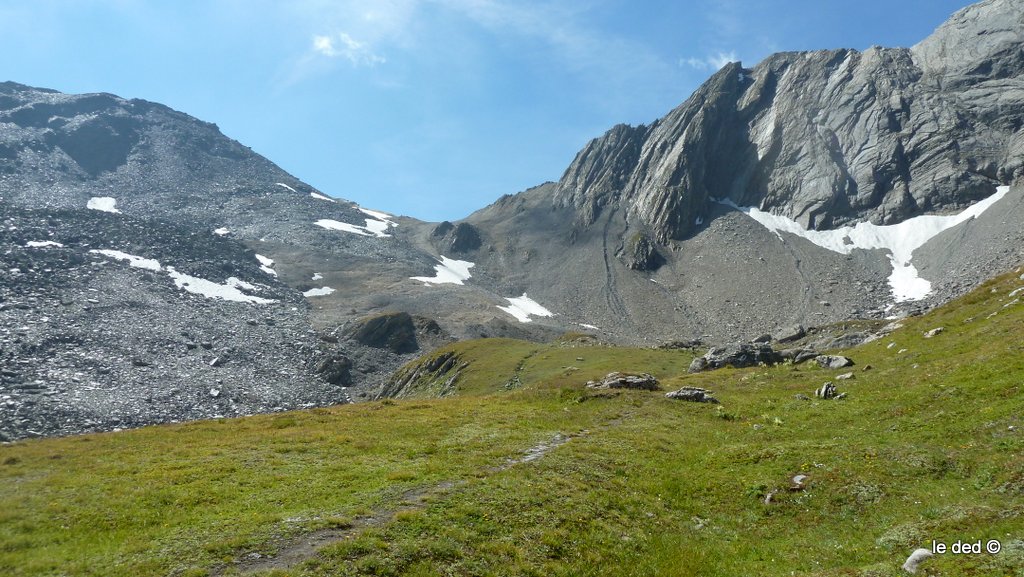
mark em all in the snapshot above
pixel 922 449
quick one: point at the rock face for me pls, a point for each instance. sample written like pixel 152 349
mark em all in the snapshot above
pixel 827 137
pixel 736 355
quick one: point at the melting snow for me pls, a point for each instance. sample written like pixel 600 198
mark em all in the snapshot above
pixel 901 240
pixel 318 292
pixel 317 276
pixel 373 227
pixel 378 215
pixel 221 231
pixel 321 197
pixel 283 185
pixel 103 203
pixel 524 307
pixel 228 291
pixel 448 272
pixel 134 261
pixel 42 244
pixel 265 264
pixel 591 327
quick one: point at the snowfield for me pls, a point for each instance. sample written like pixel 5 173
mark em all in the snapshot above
pixel 231 290
pixel 103 203
pixel 901 240
pixel 449 271
pixel 524 307
pixel 43 244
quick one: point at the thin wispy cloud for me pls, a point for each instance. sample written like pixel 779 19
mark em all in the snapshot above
pixel 341 45
pixel 712 62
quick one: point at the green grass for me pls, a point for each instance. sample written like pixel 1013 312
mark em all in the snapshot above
pixel 921 449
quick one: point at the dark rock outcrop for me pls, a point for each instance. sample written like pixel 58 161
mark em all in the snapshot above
pixel 736 355
pixel 639 253
pixel 456 238
pixel 393 331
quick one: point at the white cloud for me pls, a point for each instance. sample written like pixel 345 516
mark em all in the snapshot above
pixel 713 62
pixel 341 45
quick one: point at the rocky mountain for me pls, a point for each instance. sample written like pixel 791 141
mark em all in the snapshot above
pixel 152 269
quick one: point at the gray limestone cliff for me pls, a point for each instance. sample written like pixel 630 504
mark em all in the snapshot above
pixel 826 137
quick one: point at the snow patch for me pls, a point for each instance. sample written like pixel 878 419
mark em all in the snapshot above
pixel 221 231
pixel 591 327
pixel 378 215
pixel 901 240
pixel 133 261
pixel 283 185
pixel 318 292
pixel 373 227
pixel 524 307
pixel 449 271
pixel 265 264
pixel 317 276
pixel 103 203
pixel 228 291
pixel 321 197
pixel 43 244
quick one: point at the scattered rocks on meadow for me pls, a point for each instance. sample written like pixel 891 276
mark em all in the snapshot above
pixel 616 380
pixel 693 395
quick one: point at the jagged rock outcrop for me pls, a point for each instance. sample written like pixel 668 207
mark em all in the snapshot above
pixel 639 253
pixel 456 238
pixel 393 331
pixel 827 137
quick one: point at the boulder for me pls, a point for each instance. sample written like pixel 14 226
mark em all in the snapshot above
pixel 789 334
pixel 736 355
pixel 693 395
pixel 833 361
pixel 934 332
pixel 827 391
pixel 643 381
pixel 798 355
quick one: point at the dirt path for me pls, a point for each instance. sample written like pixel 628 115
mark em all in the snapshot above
pixel 295 550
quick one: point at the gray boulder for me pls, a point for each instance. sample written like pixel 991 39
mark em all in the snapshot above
pixel 643 381
pixel 790 334
pixel 833 361
pixel 826 391
pixel 693 395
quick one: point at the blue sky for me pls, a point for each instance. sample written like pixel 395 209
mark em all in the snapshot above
pixel 428 108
